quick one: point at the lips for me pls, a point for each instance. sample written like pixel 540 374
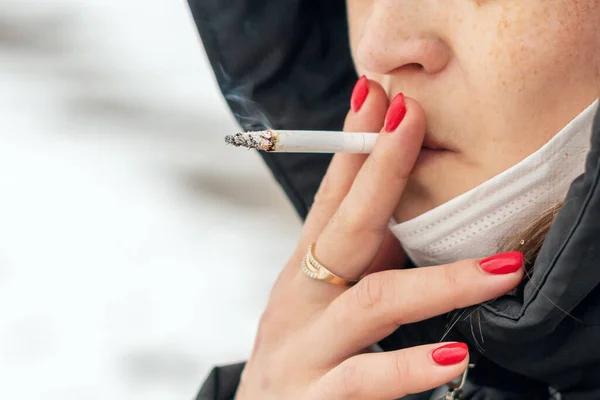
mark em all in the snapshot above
pixel 433 144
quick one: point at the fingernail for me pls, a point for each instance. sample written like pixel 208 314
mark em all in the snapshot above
pixel 450 354
pixel 395 114
pixel 503 263
pixel 359 94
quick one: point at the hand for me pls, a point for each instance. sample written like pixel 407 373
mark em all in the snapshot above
pixel 312 336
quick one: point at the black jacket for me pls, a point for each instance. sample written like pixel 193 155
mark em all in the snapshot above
pixel 287 63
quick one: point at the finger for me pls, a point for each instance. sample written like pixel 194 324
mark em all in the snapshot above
pixel 361 222
pixel 335 186
pixel 342 171
pixel 393 375
pixel 381 302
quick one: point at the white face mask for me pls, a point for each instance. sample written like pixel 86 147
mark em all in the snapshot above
pixel 474 224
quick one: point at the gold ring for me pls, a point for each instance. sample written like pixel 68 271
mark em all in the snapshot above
pixel 315 270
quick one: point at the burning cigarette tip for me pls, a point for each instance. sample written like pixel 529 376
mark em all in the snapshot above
pixel 260 140
pixel 237 140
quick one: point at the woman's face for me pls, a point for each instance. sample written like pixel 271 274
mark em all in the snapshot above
pixel 497 79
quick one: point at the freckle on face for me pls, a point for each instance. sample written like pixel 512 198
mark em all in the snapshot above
pixel 519 71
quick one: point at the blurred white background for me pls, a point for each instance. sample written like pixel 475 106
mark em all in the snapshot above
pixel 136 249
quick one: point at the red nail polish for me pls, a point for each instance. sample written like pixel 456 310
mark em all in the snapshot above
pixel 395 114
pixel 450 354
pixel 503 263
pixel 359 94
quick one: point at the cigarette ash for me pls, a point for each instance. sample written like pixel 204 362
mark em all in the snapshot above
pixel 260 140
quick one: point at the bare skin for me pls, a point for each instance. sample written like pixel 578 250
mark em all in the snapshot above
pixel 489 83
pixel 497 79
pixel 312 339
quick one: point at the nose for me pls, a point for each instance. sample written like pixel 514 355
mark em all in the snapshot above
pixel 394 40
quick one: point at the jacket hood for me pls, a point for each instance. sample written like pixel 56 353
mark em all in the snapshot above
pixel 287 64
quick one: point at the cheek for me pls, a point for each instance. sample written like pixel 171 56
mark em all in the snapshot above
pixel 520 70
pixel 537 43
pixel 528 70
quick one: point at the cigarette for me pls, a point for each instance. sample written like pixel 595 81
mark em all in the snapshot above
pixel 304 141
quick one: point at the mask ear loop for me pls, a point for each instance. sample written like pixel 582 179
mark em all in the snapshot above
pixel 455 387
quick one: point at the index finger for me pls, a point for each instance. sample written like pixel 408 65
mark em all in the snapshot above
pixel 344 167
pixel 336 184
pixel 359 225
